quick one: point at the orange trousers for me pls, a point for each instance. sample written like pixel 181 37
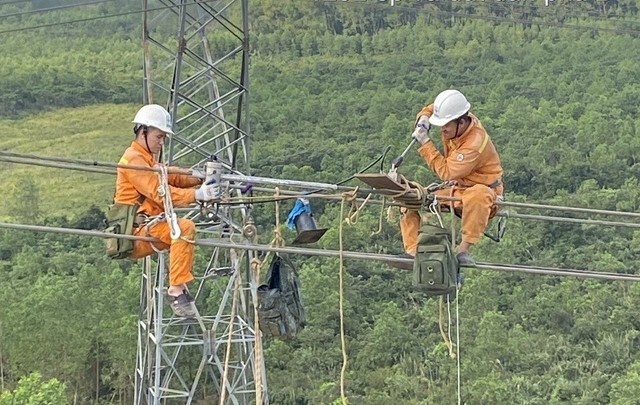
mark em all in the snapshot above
pixel 181 252
pixel 477 204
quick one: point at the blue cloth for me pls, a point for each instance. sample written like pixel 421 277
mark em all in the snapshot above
pixel 301 207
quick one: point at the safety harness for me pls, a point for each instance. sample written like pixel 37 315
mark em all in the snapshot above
pixel 122 219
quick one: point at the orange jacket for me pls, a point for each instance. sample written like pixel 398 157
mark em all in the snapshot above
pixel 132 183
pixel 469 159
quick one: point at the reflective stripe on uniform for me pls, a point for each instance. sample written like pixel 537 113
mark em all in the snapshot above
pixel 484 143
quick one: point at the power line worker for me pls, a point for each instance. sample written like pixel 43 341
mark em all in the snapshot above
pixel 152 124
pixel 470 160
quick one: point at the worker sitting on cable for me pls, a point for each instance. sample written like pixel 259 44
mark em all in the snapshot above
pixel 470 160
pixel 152 124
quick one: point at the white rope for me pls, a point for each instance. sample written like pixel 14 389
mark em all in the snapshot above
pixel 165 192
pixel 433 208
pixel 448 318
pixel 151 221
pixel 458 341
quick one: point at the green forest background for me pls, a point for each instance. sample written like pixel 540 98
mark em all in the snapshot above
pixel 333 83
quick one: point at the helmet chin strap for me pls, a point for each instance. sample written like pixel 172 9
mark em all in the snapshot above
pixel 146 141
pixel 457 128
pixel 455 134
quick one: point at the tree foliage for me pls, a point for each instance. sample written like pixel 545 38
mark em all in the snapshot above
pixel 331 86
pixel 31 390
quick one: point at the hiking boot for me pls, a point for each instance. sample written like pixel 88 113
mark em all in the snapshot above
pixel 465 259
pixel 182 305
pixel 403 264
pixel 189 297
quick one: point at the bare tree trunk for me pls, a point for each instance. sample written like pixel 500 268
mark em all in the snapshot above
pixel 97 369
pixel 1 371
pixel 1 362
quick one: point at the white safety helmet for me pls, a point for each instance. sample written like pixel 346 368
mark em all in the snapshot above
pixel 449 105
pixel 154 115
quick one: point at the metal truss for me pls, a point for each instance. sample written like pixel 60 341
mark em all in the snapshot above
pixel 196 64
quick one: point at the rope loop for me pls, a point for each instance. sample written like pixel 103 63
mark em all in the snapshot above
pixel 165 192
pixel 354 212
pixel 434 208
pixel 380 218
pixel 278 240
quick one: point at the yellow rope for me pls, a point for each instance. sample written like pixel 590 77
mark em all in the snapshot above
pixel 453 220
pixel 391 214
pixel 184 239
pixel 354 214
pixel 278 240
pixel 256 267
pixel 435 208
pixel 257 370
pixel 343 343
pixel 453 248
pixel 227 354
pixel 410 187
pixel 377 232
pixel 447 342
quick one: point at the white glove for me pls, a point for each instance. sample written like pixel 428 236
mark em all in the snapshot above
pixel 421 133
pixel 197 173
pixel 423 122
pixel 208 192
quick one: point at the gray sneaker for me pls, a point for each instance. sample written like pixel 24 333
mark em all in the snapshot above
pixel 183 305
pixel 465 259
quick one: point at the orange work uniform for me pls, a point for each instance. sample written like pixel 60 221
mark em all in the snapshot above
pixel 131 184
pixel 473 162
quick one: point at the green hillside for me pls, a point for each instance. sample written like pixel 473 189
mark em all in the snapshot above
pixel 99 133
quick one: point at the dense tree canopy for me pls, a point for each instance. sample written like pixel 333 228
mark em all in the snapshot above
pixel 331 86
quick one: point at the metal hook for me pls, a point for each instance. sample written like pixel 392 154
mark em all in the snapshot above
pixel 433 209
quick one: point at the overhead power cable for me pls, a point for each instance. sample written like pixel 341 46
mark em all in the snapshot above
pixel 577 221
pixel 44 10
pixel 571 209
pixel 90 166
pixel 13 2
pixel 78 164
pixel 226 244
pixel 549 271
pixel 109 168
pixel 533 21
pixel 73 231
pixel 73 21
pixel 99 17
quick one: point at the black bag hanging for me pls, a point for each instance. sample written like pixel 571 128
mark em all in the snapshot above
pixel 280 307
pixel 436 267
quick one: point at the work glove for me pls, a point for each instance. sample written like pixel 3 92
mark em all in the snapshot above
pixel 208 192
pixel 197 173
pixel 421 133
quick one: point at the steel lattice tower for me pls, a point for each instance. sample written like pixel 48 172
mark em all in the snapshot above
pixel 196 58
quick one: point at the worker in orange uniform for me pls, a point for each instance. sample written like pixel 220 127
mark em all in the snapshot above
pixel 470 160
pixel 152 124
